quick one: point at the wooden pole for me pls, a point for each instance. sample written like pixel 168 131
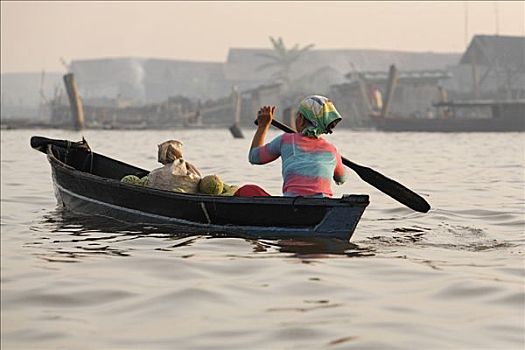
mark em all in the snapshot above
pixel 235 129
pixel 237 99
pixel 475 78
pixel 392 82
pixel 363 89
pixel 42 96
pixel 75 103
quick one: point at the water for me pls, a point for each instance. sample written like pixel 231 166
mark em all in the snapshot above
pixel 449 279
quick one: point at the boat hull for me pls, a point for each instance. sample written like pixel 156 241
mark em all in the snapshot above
pixel 450 125
pixel 467 116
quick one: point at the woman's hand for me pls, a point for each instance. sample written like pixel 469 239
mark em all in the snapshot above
pixel 265 116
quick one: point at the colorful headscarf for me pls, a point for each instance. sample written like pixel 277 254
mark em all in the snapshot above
pixel 320 112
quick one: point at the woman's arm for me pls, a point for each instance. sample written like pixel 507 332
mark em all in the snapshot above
pixel 259 152
pixel 340 174
pixel 264 120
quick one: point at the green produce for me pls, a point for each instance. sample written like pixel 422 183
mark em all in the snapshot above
pixel 229 190
pixel 144 181
pixel 131 179
pixel 211 184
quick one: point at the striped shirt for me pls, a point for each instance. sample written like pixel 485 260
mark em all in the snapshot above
pixel 308 164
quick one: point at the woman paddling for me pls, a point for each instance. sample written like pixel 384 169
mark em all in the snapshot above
pixel 309 162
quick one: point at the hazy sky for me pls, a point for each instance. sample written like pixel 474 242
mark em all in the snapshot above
pixel 36 34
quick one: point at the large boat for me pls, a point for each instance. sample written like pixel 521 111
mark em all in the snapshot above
pixel 89 183
pixel 461 116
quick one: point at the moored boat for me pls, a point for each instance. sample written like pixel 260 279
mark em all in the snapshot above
pixel 89 183
pixel 461 116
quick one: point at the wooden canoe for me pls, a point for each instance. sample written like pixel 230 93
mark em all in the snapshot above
pixel 89 183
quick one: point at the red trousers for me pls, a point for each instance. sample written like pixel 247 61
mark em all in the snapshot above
pixel 251 191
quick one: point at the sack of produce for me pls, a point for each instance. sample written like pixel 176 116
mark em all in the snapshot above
pixel 177 176
pixel 169 151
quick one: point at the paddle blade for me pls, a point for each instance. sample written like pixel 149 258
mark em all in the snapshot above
pixel 390 187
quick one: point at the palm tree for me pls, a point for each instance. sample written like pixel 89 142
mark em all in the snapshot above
pixel 283 59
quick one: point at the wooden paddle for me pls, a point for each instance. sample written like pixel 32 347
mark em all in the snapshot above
pixel 384 184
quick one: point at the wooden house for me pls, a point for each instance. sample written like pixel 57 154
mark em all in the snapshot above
pixel 492 67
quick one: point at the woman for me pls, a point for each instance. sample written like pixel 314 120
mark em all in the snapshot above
pixel 309 162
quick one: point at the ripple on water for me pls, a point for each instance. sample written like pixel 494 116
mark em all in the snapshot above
pixel 36 335
pixel 69 299
pixel 513 300
pixel 467 291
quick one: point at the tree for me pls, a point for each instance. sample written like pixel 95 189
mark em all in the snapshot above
pixel 283 59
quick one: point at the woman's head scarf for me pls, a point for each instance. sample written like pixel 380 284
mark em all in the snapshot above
pixel 321 113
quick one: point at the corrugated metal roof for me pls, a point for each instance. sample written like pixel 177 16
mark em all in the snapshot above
pixel 434 74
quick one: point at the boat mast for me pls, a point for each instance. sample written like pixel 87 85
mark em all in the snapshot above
pixel 466 22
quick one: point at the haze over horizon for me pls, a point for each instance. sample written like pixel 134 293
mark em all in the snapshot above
pixel 35 35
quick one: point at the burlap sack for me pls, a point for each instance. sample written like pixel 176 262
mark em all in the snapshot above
pixel 179 176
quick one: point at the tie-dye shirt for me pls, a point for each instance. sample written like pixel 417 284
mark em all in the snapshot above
pixel 308 164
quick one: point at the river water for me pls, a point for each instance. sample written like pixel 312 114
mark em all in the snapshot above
pixel 449 279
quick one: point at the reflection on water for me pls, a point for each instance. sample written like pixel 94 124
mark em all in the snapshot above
pixel 317 248
pixel 70 237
